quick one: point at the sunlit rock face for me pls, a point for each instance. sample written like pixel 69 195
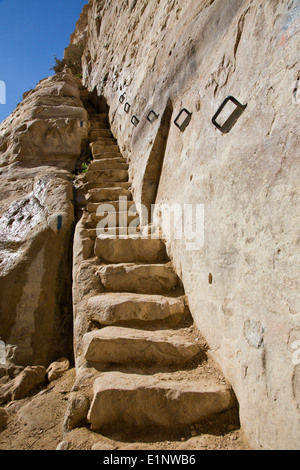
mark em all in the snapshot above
pixel 39 146
pixel 242 283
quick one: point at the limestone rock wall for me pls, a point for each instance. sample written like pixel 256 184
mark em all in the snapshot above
pixel 242 284
pixel 39 146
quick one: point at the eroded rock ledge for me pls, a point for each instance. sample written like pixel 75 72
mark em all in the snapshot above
pixel 40 144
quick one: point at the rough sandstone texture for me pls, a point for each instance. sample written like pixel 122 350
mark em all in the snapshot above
pixel 122 324
pixel 141 401
pixel 24 383
pixel 242 284
pixel 40 144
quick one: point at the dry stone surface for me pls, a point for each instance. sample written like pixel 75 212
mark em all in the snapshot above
pixel 40 144
pixel 240 282
pixel 136 360
pixel 243 282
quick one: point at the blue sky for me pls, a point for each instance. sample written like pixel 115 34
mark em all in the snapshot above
pixel 32 32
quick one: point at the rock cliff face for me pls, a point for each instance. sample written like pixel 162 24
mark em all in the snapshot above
pixel 242 283
pixel 40 144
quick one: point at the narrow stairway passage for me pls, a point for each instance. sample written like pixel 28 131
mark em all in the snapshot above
pixel 140 360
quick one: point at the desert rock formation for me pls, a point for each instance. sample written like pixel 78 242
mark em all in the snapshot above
pixel 40 145
pixel 155 73
pixel 242 285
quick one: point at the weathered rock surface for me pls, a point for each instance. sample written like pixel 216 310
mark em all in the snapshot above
pixel 108 309
pixel 141 401
pixel 241 283
pixel 23 384
pixel 151 333
pixel 78 407
pixel 118 345
pixel 40 144
pixel 193 55
pixel 57 369
pixel 143 278
pixel 3 418
pixel 127 249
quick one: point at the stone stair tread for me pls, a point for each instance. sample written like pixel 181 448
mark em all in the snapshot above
pixel 92 232
pixel 98 151
pixel 99 116
pixel 110 158
pixel 110 308
pixel 153 279
pixel 104 141
pixel 103 185
pixel 130 249
pixel 119 345
pixel 108 194
pixel 114 219
pixel 102 165
pixel 108 175
pixel 96 134
pixel 141 401
pixel 93 206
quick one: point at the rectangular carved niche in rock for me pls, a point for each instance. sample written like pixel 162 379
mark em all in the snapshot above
pixel 228 114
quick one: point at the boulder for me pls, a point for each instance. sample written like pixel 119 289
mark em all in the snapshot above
pixel 28 380
pixel 77 411
pixel 57 369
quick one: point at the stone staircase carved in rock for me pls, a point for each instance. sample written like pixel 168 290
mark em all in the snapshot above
pixel 140 360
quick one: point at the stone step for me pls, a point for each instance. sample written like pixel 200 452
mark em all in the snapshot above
pixel 142 401
pixel 102 176
pixel 113 219
pixel 99 126
pixel 102 185
pixel 104 133
pixel 107 164
pixel 103 142
pixel 117 205
pixel 109 194
pixel 115 231
pixel 94 135
pixel 112 308
pixel 109 156
pixel 109 147
pixel 140 278
pixel 100 116
pixel 99 121
pixel 119 345
pixel 130 249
